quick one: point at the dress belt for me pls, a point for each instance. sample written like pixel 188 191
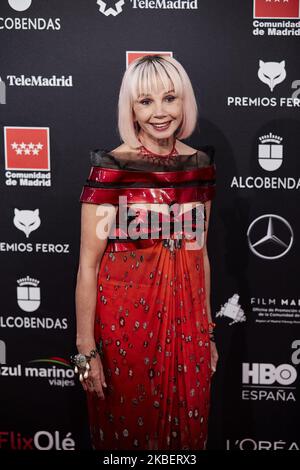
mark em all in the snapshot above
pixel 169 243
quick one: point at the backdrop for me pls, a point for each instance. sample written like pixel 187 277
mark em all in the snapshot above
pixel 61 68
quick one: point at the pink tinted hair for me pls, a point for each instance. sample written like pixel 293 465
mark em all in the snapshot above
pixel 141 77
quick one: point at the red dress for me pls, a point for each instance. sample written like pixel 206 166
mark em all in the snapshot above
pixel 151 310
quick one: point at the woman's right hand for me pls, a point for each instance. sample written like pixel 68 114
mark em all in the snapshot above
pixel 96 379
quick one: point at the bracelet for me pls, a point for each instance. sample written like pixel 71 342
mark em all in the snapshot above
pixel 211 327
pixel 81 363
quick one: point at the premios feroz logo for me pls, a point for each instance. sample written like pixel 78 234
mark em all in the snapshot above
pixel 272 74
pixel 29 221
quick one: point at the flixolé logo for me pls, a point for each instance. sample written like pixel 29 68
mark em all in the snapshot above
pixel 40 440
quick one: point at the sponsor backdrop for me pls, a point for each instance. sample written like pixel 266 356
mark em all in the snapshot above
pixel 61 69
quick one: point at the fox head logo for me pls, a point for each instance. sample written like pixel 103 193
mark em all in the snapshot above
pixel 271 73
pixel 27 221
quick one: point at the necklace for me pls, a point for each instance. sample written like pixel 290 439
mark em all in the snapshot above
pixel 146 152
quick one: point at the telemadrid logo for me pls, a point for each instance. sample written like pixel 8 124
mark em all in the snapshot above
pixel 147 5
pixel 110 11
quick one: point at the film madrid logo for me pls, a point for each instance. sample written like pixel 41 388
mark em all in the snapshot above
pixel 232 310
pixel 271 75
pixel 276 18
pixel 23 23
pixel 27 156
pixel 270 156
pixel 271 382
pixel 113 8
pixel 272 310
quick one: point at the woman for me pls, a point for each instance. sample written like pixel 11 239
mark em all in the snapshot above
pixel 144 328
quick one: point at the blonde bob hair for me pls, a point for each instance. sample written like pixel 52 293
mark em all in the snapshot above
pixel 141 77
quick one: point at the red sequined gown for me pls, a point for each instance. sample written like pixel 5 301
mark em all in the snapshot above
pixel 151 311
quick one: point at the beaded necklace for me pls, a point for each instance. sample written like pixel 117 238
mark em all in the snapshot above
pixel 157 158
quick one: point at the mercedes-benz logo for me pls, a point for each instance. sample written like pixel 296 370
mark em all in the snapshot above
pixel 270 236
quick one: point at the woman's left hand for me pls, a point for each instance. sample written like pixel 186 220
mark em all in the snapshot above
pixel 213 357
